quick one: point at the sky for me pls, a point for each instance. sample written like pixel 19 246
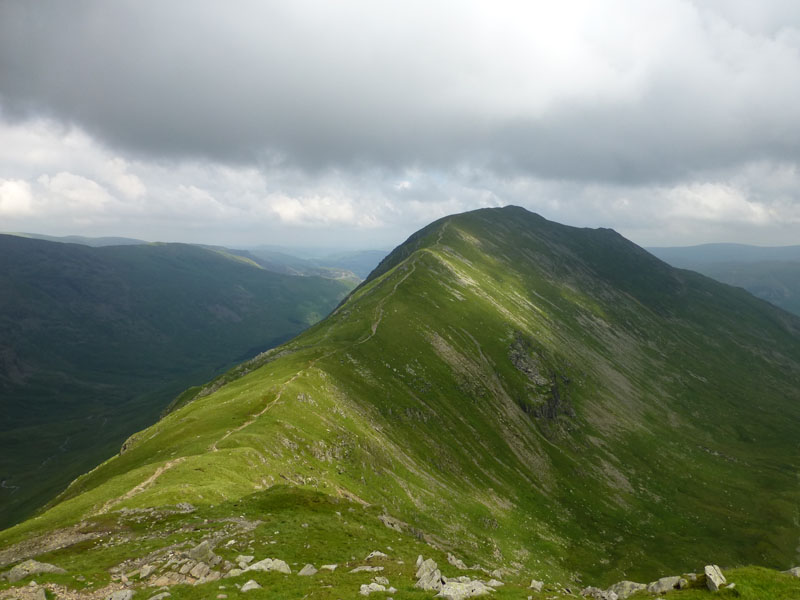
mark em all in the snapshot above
pixel 354 123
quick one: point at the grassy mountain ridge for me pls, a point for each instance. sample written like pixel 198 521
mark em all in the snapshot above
pixel 548 400
pixel 94 342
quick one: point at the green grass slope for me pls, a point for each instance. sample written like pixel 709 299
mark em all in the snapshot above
pixel 95 342
pixel 550 401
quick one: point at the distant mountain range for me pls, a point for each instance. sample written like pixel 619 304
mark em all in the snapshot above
pixel 770 273
pixel 96 341
pixel 510 398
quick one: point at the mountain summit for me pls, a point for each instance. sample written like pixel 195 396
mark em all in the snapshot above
pixel 539 400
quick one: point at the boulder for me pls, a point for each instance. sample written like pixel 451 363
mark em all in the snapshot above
pixel 456 562
pixel 307 571
pixel 430 581
pixel 251 585
pixel 243 560
pixel 597 594
pixel 203 552
pixel 663 585
pixel 31 567
pixel 536 585
pixel 425 567
pixel 494 583
pixel 120 595
pixel 270 564
pixel 623 589
pixel 419 561
pixel 200 570
pixel 714 577
pixel 146 571
pixel 456 590
pixel 368 588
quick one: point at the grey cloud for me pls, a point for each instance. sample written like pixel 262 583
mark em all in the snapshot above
pixel 357 85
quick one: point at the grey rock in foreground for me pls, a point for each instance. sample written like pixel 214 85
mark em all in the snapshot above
pixel 456 590
pixel 714 577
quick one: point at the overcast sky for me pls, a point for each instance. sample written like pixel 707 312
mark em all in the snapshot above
pixel 355 123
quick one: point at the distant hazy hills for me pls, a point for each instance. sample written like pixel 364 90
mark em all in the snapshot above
pixel 95 342
pixel 330 263
pixel 552 402
pixel 771 273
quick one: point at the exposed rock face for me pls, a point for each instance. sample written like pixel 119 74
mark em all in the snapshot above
pixel 664 585
pixel 714 577
pixel 623 589
pixel 307 571
pixel 31 567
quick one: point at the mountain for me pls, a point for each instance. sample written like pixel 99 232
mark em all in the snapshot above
pixel 95 342
pixel 95 242
pixel 505 394
pixel 770 273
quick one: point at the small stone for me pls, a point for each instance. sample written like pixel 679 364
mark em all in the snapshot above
pixel 222 596
pixel 40 594
pixel 244 559
pixel 250 585
pixel 376 554
pixel 381 580
pixel 536 586
pixel 307 571
pixel 714 577
pixel 494 583
pixel 730 586
pixel 234 573
pixel 328 567
pixel 419 561
pixel 161 596
pixel 456 562
pixel 120 595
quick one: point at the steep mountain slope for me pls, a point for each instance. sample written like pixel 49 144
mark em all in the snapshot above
pixel 551 401
pixel 772 274
pixel 94 342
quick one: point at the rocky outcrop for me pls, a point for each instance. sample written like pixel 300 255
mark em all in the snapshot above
pixel 31 567
pixel 714 577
